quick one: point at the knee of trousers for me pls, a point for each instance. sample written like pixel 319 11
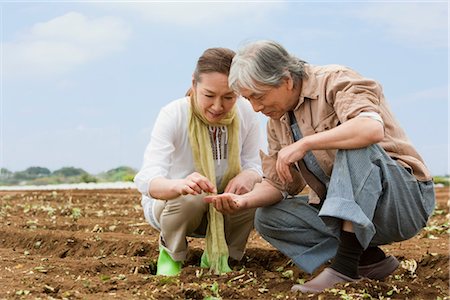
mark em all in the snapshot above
pixel 301 222
pixel 269 221
pixel 183 210
pixel 261 219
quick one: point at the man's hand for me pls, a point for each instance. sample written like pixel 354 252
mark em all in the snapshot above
pixel 225 203
pixel 287 156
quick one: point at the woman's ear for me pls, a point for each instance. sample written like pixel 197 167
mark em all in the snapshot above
pixel 191 90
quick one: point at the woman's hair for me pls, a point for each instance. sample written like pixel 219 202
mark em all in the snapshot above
pixel 213 60
pixel 264 63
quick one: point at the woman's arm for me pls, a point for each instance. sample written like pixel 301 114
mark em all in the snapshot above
pixel 168 189
pixel 165 143
pixel 243 182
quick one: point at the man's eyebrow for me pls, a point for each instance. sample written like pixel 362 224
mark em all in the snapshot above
pixel 256 95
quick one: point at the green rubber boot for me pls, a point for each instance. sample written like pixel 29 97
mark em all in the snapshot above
pixel 204 263
pixel 166 265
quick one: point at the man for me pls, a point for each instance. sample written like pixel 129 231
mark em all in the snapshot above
pixel 329 128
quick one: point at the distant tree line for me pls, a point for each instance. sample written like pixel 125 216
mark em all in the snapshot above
pixel 43 176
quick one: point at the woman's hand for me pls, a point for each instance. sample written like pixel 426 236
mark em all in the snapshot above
pixel 195 184
pixel 225 203
pixel 287 156
pixel 243 182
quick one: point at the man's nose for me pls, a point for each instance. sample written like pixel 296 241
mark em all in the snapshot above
pixel 257 106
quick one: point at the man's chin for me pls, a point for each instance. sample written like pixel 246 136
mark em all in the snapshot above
pixel 273 116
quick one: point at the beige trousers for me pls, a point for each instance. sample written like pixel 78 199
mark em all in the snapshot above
pixel 187 216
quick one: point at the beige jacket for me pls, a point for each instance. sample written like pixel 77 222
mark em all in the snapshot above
pixel 330 96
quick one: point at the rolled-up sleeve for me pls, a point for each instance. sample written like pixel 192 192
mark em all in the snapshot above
pixel 353 94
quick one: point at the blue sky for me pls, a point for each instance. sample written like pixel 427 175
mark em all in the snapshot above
pixel 82 82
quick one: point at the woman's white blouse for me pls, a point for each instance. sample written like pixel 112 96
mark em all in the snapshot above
pixel 169 152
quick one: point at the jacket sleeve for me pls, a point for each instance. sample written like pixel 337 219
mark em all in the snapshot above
pixel 350 94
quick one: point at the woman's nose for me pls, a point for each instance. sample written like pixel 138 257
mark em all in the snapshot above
pixel 217 105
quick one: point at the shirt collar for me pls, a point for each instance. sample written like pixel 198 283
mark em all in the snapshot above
pixel 309 86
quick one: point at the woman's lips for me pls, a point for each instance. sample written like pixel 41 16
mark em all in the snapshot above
pixel 215 115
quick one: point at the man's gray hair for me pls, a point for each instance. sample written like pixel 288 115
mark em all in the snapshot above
pixel 263 63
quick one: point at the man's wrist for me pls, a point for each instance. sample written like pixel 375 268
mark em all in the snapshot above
pixel 243 201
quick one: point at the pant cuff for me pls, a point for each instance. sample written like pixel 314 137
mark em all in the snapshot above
pixel 348 210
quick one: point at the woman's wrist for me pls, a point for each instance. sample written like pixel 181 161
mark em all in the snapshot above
pixel 176 186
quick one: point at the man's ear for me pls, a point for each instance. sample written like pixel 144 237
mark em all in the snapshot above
pixel 290 82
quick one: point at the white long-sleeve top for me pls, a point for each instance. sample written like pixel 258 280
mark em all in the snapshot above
pixel 169 152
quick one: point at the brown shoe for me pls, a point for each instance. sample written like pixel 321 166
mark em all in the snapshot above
pixel 379 270
pixel 326 279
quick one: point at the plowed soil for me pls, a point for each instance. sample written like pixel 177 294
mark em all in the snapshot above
pixel 95 244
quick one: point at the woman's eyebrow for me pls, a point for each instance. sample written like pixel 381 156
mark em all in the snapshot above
pixel 208 91
pixel 212 92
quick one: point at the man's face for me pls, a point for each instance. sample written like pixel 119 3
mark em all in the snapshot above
pixel 274 102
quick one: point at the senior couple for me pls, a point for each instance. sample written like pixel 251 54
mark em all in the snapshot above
pixel 329 128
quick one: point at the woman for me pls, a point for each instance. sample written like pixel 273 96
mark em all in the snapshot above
pixel 207 142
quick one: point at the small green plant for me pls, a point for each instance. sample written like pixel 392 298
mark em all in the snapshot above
pixel 214 288
pixel 76 213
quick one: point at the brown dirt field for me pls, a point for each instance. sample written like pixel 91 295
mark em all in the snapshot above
pixel 95 244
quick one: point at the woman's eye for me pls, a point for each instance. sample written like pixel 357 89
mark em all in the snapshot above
pixel 228 98
pixel 209 96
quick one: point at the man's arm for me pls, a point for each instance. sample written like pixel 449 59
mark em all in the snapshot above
pixel 263 194
pixel 352 134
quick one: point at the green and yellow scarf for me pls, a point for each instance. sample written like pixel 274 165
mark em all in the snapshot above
pixel 216 252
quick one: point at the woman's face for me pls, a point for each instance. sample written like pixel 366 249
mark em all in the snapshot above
pixel 214 98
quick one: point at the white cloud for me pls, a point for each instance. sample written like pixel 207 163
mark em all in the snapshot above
pixel 421 24
pixel 200 13
pixel 63 43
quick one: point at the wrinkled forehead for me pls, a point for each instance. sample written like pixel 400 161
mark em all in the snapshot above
pixel 251 93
